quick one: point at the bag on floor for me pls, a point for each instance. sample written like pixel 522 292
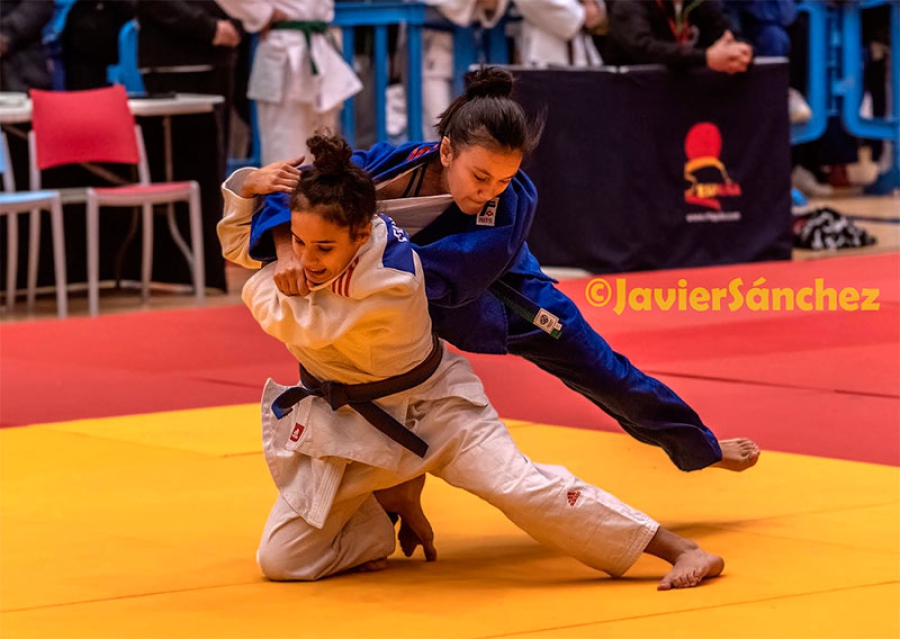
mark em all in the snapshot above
pixel 825 228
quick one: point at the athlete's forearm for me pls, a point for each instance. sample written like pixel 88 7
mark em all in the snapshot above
pixel 281 236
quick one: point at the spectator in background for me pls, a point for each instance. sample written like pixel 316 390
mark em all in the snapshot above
pixel 90 41
pixel 23 59
pixel 553 32
pixel 677 34
pixel 765 24
pixel 190 46
pixel 299 78
pixel 556 32
pixel 437 52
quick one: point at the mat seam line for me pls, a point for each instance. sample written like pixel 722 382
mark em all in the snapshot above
pixel 771 384
pixel 675 612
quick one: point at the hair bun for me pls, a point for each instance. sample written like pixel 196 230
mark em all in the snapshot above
pixel 488 82
pixel 331 152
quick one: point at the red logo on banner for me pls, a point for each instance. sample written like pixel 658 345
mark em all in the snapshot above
pixel 572 496
pixel 702 146
pixel 295 434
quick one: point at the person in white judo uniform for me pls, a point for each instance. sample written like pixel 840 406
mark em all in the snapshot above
pixel 381 403
pixel 550 33
pixel 299 78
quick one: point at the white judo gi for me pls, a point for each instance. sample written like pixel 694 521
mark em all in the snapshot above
pixel 292 100
pixel 549 34
pixel 370 323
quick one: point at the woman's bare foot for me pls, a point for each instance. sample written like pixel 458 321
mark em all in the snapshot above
pixel 372 566
pixel 691 568
pixel 690 563
pixel 738 454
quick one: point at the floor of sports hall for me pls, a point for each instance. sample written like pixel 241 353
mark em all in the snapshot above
pixel 133 490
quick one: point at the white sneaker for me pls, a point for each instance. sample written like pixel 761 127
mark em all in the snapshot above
pixel 798 108
pixel 803 180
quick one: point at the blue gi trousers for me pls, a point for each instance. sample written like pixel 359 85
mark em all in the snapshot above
pixel 645 407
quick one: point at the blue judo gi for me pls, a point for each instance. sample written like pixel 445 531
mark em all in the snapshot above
pixel 462 259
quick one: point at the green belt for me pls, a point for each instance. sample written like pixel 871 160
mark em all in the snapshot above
pixel 307 27
pixel 526 309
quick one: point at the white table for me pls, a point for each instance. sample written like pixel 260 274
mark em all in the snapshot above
pixel 15 108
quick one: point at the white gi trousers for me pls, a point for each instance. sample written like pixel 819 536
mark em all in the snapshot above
pixel 470 448
pixel 284 128
pixel 293 98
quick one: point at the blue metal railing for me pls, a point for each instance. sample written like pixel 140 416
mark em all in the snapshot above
pixel 883 128
pixel 816 92
pixel 477 45
pixel 835 85
pixel 380 15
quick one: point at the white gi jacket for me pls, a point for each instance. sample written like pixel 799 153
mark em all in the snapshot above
pixel 281 66
pixel 547 30
pixel 368 323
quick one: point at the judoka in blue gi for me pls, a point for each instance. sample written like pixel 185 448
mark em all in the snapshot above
pixel 381 402
pixel 469 207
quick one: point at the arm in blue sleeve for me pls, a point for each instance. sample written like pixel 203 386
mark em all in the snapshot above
pixel 275 212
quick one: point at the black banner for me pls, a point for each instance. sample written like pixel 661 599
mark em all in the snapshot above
pixel 652 169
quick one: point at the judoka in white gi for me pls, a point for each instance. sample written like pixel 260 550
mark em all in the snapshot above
pixel 550 33
pixel 299 78
pixel 362 318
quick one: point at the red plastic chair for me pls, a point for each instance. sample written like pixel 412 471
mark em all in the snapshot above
pixel 70 127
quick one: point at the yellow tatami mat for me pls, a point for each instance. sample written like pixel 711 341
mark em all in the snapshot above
pixel 147 526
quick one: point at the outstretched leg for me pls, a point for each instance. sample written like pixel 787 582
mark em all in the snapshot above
pixel 475 452
pixel 647 409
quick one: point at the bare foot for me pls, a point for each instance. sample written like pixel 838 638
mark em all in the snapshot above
pixel 372 566
pixel 691 567
pixel 738 454
pixel 690 563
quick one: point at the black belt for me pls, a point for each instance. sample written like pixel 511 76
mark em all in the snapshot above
pixel 360 397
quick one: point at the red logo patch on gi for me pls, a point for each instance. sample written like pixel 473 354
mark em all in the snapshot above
pixel 420 151
pixel 298 430
pixel 572 496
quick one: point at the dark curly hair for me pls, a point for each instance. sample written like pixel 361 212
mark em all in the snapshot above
pixel 487 116
pixel 343 193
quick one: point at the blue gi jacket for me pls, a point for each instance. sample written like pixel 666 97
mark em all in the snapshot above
pixel 460 258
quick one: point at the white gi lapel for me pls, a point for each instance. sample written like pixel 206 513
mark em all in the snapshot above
pixel 307 484
pixel 308 449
